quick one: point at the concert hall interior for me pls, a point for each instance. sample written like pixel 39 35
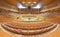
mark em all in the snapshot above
pixel 29 18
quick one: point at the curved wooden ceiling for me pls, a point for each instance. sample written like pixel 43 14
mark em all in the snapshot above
pixel 13 2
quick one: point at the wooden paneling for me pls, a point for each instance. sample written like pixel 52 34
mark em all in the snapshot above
pixel 13 2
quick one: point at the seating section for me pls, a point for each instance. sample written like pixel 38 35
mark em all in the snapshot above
pixel 29 28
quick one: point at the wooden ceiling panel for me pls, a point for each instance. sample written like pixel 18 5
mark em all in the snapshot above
pixel 13 2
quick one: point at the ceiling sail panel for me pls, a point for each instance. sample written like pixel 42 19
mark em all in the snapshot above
pixel 45 2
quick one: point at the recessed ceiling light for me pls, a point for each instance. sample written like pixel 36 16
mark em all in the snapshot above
pixel 29 2
pixel 23 2
pixel 34 2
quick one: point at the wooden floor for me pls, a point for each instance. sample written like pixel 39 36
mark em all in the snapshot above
pixel 53 34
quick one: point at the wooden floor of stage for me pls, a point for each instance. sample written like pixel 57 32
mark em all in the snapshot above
pixel 53 34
